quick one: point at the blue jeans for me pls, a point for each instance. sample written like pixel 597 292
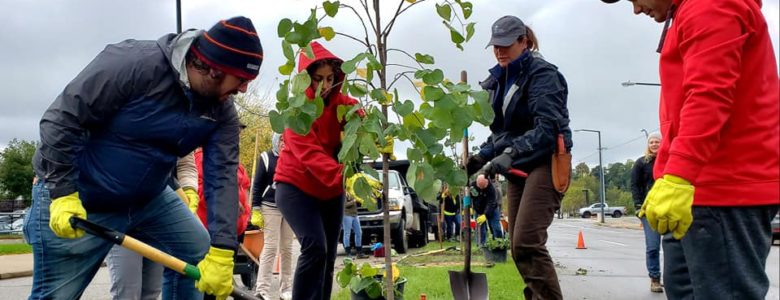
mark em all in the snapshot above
pixel 349 224
pixel 63 268
pixel 495 227
pixel 652 247
pixel 723 255
pixel 452 224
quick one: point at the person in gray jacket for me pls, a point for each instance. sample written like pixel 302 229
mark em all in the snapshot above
pixel 110 141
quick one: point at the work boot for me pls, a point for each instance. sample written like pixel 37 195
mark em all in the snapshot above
pixel 655 285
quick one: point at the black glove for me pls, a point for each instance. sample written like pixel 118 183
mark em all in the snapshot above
pixel 474 163
pixel 499 165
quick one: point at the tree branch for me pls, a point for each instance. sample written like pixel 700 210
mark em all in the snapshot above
pixel 392 21
pixel 362 22
pixel 354 38
pixel 399 76
pixel 407 54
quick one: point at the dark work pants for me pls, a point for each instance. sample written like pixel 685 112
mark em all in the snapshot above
pixel 722 256
pixel 316 224
pixel 532 204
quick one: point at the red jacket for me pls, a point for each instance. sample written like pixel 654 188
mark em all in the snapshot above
pixel 720 107
pixel 310 162
pixel 243 187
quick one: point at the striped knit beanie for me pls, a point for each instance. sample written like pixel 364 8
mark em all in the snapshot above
pixel 231 46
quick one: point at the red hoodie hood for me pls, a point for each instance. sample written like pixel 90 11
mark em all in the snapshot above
pixel 320 53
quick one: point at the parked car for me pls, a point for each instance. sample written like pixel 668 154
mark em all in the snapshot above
pixel 409 215
pixel 776 228
pixel 595 208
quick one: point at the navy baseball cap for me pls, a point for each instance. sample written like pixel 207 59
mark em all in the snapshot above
pixel 506 31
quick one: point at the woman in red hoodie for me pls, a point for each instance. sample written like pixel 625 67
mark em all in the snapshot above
pixel 309 189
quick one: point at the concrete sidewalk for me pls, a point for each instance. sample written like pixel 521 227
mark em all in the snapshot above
pixel 16 265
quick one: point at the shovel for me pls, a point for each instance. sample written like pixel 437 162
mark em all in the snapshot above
pixel 151 253
pixel 466 285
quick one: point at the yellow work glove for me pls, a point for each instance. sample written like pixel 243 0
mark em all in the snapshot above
pixel 216 273
pixel 481 219
pixel 193 198
pixel 60 210
pixel 257 218
pixel 668 206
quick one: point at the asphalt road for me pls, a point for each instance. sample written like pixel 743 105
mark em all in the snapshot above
pixel 614 262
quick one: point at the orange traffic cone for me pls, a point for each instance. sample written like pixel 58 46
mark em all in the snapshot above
pixel 580 241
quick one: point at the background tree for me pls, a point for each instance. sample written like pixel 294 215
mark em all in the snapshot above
pixel 581 170
pixel 253 110
pixel 16 172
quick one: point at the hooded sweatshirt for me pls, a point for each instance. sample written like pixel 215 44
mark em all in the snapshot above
pixel 719 108
pixel 309 161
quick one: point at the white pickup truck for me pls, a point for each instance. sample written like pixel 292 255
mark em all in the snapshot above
pixel 595 208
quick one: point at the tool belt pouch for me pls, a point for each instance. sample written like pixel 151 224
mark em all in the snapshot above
pixel 561 166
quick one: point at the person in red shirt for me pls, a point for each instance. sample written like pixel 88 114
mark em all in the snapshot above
pixel 309 188
pixel 720 126
pixel 244 210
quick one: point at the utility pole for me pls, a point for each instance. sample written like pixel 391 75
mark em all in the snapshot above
pixel 178 16
pixel 601 171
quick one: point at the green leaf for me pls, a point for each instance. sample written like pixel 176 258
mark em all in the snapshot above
pixel 346 145
pixel 300 82
pixel 309 108
pixel 414 154
pixel 403 109
pixel 327 32
pixel 366 269
pixel 277 121
pixel 308 51
pixel 298 100
pixel 424 58
pixel 413 120
pixel 467 8
pixel 434 77
pixel 349 66
pixel 469 31
pixel 372 62
pixel 369 170
pixel 374 289
pixel 288 51
pixel 378 95
pixel 357 90
pixel 441 117
pixel 432 93
pixel 372 124
pixel 305 124
pixel 284 91
pixel 344 277
pixel 444 11
pixel 341 110
pixel 456 37
pixel 331 8
pixel 287 68
pixel 482 105
pixel 367 146
pixel 284 27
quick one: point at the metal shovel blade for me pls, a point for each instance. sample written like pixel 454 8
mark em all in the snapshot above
pixel 468 286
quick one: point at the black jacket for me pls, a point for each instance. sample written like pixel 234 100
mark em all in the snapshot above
pixel 451 203
pixel 264 190
pixel 642 179
pixel 484 199
pixel 535 112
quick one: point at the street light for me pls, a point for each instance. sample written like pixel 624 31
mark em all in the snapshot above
pixel 601 171
pixel 647 136
pixel 631 83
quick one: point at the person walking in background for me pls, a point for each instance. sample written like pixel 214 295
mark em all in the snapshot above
pixel 529 101
pixel 451 212
pixel 486 210
pixel 351 223
pixel 717 171
pixel 309 184
pixel 110 141
pixel 277 235
pixel 641 182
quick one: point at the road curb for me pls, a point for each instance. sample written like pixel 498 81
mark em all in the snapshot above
pixel 625 226
pixel 9 275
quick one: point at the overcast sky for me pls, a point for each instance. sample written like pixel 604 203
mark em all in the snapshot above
pixel 44 44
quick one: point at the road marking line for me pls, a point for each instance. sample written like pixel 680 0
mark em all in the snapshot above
pixel 615 243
